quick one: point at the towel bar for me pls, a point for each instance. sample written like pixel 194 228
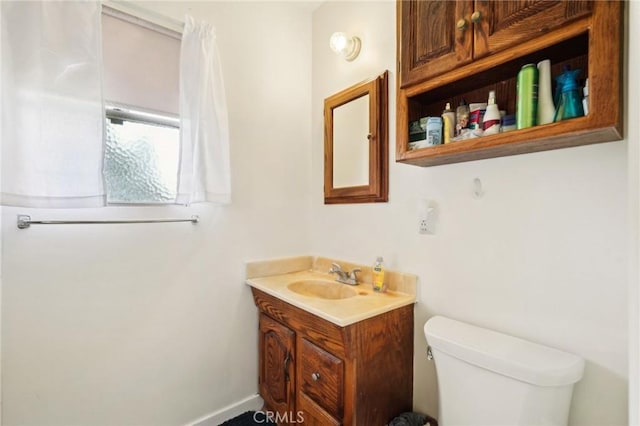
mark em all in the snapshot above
pixel 24 221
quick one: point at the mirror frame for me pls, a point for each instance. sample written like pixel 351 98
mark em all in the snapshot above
pixel 378 188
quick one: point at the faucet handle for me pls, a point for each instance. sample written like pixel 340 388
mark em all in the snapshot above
pixel 354 272
pixel 335 268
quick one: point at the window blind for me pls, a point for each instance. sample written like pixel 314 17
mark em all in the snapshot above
pixel 141 66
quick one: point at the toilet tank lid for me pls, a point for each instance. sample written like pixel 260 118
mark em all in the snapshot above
pixel 510 356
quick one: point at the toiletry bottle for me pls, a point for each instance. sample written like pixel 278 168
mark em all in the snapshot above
pixel 546 107
pixel 558 92
pixel 491 119
pixel 585 100
pixel 378 275
pixel 570 103
pixel 527 97
pixel 434 131
pixel 509 123
pixel 476 114
pixel 448 122
pixel 462 118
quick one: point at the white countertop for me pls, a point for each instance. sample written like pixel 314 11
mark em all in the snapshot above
pixel 365 304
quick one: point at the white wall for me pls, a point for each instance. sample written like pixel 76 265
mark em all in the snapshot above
pixel 633 127
pixel 542 255
pixel 152 324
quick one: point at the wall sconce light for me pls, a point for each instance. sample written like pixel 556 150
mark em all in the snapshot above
pixel 345 46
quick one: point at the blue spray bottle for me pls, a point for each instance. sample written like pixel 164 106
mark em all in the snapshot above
pixel 570 102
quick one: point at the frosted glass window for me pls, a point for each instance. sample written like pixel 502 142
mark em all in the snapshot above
pixel 141 162
pixel 142 148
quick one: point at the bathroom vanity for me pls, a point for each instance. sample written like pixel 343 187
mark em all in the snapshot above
pixel 330 356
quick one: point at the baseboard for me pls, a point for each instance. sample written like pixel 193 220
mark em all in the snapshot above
pixel 254 402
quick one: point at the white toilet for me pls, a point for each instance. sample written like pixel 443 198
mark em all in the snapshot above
pixel 490 378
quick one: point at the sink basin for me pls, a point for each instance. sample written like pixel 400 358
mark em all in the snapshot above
pixel 322 289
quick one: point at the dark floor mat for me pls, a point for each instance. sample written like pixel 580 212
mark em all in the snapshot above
pixel 250 418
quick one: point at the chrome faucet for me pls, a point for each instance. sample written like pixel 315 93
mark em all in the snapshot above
pixel 344 277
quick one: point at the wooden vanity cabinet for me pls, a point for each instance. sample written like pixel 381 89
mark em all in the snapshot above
pixel 357 375
pixel 439 63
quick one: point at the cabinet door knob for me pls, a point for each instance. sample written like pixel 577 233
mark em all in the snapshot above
pixel 461 25
pixel 315 376
pixel 476 17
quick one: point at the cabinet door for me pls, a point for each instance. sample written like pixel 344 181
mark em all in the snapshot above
pixel 434 36
pixel 276 369
pixel 502 24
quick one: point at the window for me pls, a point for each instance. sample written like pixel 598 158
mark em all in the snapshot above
pixel 141 157
pixel 56 84
pixel 142 144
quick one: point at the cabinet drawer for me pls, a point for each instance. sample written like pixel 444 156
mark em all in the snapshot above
pixel 313 414
pixel 321 377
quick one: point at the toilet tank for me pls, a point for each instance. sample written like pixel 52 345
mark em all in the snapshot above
pixel 490 378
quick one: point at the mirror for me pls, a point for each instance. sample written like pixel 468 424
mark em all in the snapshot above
pixel 350 143
pixel 355 143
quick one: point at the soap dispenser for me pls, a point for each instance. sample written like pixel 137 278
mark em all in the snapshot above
pixel 379 282
pixel 569 101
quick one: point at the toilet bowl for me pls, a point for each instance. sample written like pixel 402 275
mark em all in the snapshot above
pixel 490 378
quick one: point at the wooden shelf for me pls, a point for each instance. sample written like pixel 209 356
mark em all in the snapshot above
pixel 564 134
pixel 592 44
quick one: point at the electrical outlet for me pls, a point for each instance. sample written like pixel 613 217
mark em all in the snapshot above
pixel 426 217
pixel 424 226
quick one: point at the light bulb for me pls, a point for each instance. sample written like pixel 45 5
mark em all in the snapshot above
pixel 347 47
pixel 338 42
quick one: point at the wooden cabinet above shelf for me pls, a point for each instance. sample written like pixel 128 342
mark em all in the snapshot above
pixel 438 36
pixel 590 41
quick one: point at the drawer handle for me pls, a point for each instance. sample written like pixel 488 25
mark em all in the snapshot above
pixel 476 17
pixel 461 25
pixel 315 376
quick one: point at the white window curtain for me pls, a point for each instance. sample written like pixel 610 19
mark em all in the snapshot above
pixel 204 130
pixel 52 108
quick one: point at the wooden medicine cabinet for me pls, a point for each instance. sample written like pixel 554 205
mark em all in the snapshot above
pixel 356 143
